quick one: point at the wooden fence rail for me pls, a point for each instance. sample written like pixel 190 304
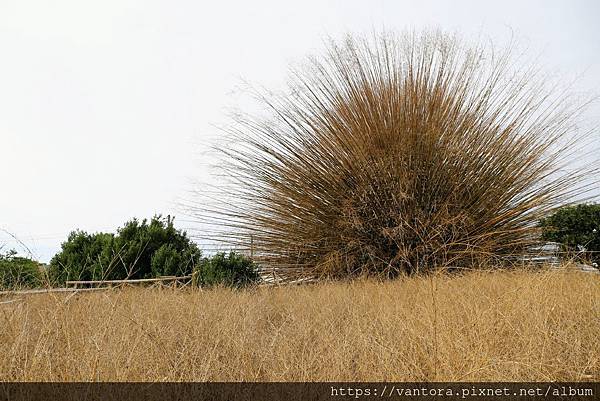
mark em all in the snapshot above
pixel 50 290
pixel 163 279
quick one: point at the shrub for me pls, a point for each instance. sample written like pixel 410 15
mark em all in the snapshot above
pixel 154 248
pixel 18 272
pixel 397 155
pixel 233 269
pixel 140 249
pixel 577 228
pixel 82 257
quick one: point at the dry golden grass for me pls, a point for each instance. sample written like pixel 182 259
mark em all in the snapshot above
pixel 397 154
pixel 478 326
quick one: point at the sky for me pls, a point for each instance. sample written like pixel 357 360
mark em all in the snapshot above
pixel 108 108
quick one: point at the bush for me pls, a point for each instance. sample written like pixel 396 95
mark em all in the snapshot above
pixel 577 228
pixel 82 257
pixel 397 155
pixel 18 272
pixel 233 269
pixel 140 249
pixel 155 248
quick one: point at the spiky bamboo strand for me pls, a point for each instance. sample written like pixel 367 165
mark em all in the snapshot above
pixel 398 155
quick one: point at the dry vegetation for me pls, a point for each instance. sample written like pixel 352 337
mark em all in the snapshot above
pixel 395 155
pixel 477 326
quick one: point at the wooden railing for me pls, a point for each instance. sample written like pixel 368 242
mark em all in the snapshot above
pixel 175 280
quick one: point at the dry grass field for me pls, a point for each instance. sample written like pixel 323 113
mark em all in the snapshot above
pixel 485 326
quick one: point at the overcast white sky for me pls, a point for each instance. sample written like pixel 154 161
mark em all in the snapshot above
pixel 106 106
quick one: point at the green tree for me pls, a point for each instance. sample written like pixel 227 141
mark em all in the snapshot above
pixel 139 249
pixel 82 257
pixel 154 248
pixel 576 228
pixel 19 272
pixel 231 269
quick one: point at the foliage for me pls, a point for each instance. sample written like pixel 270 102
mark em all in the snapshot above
pixel 397 155
pixel 155 248
pixel 576 227
pixel 233 269
pixel 82 257
pixel 18 272
pixel 139 249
